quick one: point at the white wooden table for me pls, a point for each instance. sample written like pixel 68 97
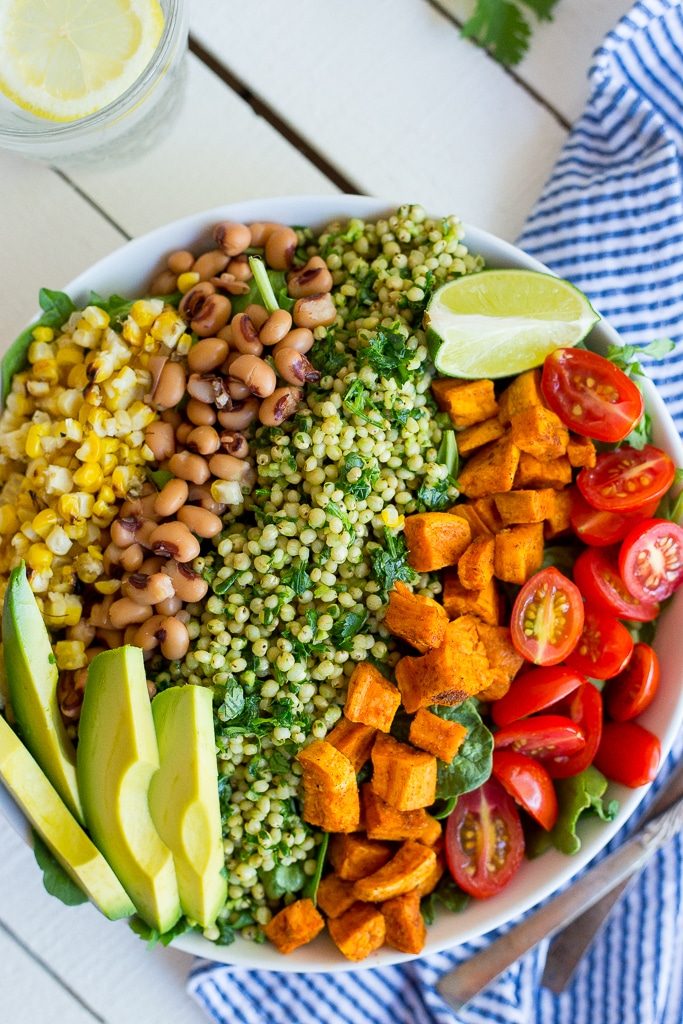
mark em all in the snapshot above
pixel 375 96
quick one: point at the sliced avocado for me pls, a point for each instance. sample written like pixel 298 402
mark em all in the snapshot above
pixel 183 798
pixel 32 678
pixel 51 818
pixel 117 758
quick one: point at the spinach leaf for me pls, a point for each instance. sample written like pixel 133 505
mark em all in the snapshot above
pixel 390 563
pixel 448 454
pixel 57 308
pixel 369 474
pixel 55 879
pixel 442 808
pixel 151 936
pixel 116 306
pixel 583 792
pixel 283 878
pixel 471 766
pixel 346 627
pixel 310 889
pixel 448 894
pixel 561 556
pixel 159 477
pixel 233 703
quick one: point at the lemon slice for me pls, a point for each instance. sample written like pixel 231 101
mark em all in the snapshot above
pixel 64 59
pixel 502 322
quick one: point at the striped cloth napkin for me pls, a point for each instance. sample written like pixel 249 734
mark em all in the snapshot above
pixel 611 220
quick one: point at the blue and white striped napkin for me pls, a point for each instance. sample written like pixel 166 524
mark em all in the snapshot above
pixel 611 220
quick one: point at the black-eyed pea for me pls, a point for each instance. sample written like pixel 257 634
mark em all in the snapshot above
pixel 241 414
pixel 205 524
pixel 170 386
pixel 207 355
pixel 257 314
pixel 190 467
pixel 124 531
pixel 146 634
pixel 171 416
pixel 280 247
pixel 240 269
pixel 301 338
pixel 152 564
pixel 138 507
pixel 238 391
pixel 99 613
pixel 175 541
pixel 276 327
pixel 279 406
pixel 171 497
pixel 311 279
pixel 83 631
pixel 148 590
pixel 209 388
pixel 160 439
pixel 144 532
pixel 111 556
pixel 227 467
pixel 189 586
pixel 180 261
pixel 258 376
pixel 210 264
pixel 164 283
pixel 174 638
pixel 295 368
pixel 200 494
pixel 315 311
pixel 203 440
pixel 183 432
pixel 129 634
pixel 234 443
pixel 212 315
pixel 232 238
pixel 125 612
pixel 260 230
pixel 193 300
pixel 244 337
pixel 199 413
pixel 110 637
pixel 171 606
pixel 132 558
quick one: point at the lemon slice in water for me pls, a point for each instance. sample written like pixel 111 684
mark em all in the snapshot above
pixel 64 59
pixel 502 322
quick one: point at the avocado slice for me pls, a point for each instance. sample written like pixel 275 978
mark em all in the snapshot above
pixel 117 758
pixel 51 818
pixel 32 678
pixel 183 798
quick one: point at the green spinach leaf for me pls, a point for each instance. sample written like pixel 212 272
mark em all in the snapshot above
pixel 310 889
pixel 57 308
pixel 448 894
pixel 55 879
pixel 283 878
pixel 471 766
pixel 152 937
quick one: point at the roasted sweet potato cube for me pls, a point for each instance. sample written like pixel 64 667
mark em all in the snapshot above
pixel 435 539
pixel 540 432
pixel 449 674
pixel 430 883
pixel 437 735
pixel 420 621
pixel 475 568
pixel 581 452
pixel 492 469
pixel 407 869
pixel 519 552
pixel 294 926
pixel 488 513
pixel 330 789
pixel 486 603
pixel 402 775
pixel 466 402
pixel 359 931
pixel 480 434
pixel 355 856
pixel 432 833
pixel 335 895
pixel 504 660
pixel 382 821
pixel 468 512
pixel 405 927
pixel 523 393
pixel 532 473
pixel 558 520
pixel 532 506
pixel 354 740
pixel 370 698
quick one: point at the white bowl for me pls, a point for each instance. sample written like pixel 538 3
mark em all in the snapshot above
pixel 126 272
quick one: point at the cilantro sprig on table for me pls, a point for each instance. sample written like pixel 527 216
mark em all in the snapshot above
pixel 503 27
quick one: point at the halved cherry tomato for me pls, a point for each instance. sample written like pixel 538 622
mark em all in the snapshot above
pixel 604 647
pixel 585 710
pixel 625 479
pixel 535 690
pixel 633 690
pixel 590 394
pixel 547 618
pixel 651 559
pixel 484 840
pixel 596 526
pixel 628 753
pixel 529 785
pixel 543 737
pixel 596 574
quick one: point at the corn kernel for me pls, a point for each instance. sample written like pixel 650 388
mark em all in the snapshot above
pixel 103 514
pixel 38 388
pixel 90 450
pixel 109 464
pixel 9 521
pixel 70 655
pixel 106 494
pixel 77 378
pixel 69 402
pixel 36 431
pixel 107 586
pixel 61 610
pixel 121 480
pixel 19 405
pixel 132 332
pixel 39 557
pixel 57 480
pixel 87 568
pixel 96 317
pixel 77 530
pixel 143 313
pixel 39 350
pixel 76 506
pixel 46 370
pixel 43 333
pixel 44 522
pixel 392 519
pixel 187 281
pixel 58 542
pixel 84 335
pixel 89 477
pixel 168 328
pixel 228 492
pixel 69 355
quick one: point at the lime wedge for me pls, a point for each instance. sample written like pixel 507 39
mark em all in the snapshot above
pixel 502 322
pixel 64 59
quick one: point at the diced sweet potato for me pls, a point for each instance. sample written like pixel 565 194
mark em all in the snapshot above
pixel 532 473
pixel 371 699
pixel 435 539
pixel 405 927
pixel 449 674
pixel 540 432
pixel 401 775
pixel 525 506
pixel 420 621
pixel 355 856
pixel 432 833
pixel 382 821
pixel 294 926
pixel 407 869
pixel 519 552
pixel 482 515
pixel 486 603
pixel 558 520
pixel 581 452
pixel 492 469
pixel 523 393
pixel 504 660
pixel 335 895
pixel 480 434
pixel 475 567
pixel 437 735
pixel 359 931
pixel 354 740
pixel 331 798
pixel 430 883
pixel 466 402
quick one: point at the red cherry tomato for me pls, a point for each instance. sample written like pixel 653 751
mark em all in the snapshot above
pixel 543 737
pixel 596 574
pixel 547 618
pixel 633 690
pixel 535 690
pixel 626 479
pixel 596 526
pixel 604 647
pixel 628 753
pixel 590 394
pixel 585 710
pixel 484 840
pixel 651 559
pixel 529 785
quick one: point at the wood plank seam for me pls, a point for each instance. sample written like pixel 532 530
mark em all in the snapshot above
pixel 91 202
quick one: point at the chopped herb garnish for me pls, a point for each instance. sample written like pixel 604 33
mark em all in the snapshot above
pixel 390 563
pixel 387 354
pixel 297 577
pixel 361 485
pixel 346 627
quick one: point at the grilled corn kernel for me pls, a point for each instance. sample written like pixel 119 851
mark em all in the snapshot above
pixel 44 522
pixel 19 405
pixel 228 492
pixel 90 450
pixel 69 355
pixel 76 506
pixel 168 328
pixel 69 402
pixel 43 333
pixel 57 480
pixel 187 281
pixel 77 378
pixel 70 655
pixel 121 480
pixel 392 519
pixel 58 542
pixel 106 494
pixel 33 447
pixel 85 336
pixel 87 567
pixel 9 521
pixel 103 513
pixel 108 586
pixel 46 370
pixel 89 477
pixel 39 557
pixel 96 317
pixel 143 312
pixel 61 610
pixel 38 351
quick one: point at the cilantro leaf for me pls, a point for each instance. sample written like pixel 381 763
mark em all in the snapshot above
pixel 358 402
pixel 390 563
pixel 297 577
pixel 388 354
pixel 326 357
pixel 233 703
pixel 435 498
pixel 500 27
pixel 369 474
pixel 346 627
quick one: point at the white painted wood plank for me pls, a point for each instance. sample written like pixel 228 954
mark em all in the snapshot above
pixel 395 99
pixel 216 151
pixel 109 967
pixel 559 58
pixel 29 994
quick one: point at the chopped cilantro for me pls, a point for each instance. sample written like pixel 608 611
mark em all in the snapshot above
pixel 502 26
pixel 346 627
pixel 388 354
pixel 358 402
pixel 390 563
pixel 297 577
pixel 435 498
pixel 369 474
pixel 328 355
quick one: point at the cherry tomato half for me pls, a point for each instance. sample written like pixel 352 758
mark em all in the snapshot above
pixel 596 574
pixel 529 785
pixel 543 737
pixel 535 690
pixel 633 690
pixel 628 753
pixel 596 526
pixel 590 394
pixel 651 559
pixel 484 840
pixel 626 479
pixel 547 618
pixel 604 647
pixel 585 710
